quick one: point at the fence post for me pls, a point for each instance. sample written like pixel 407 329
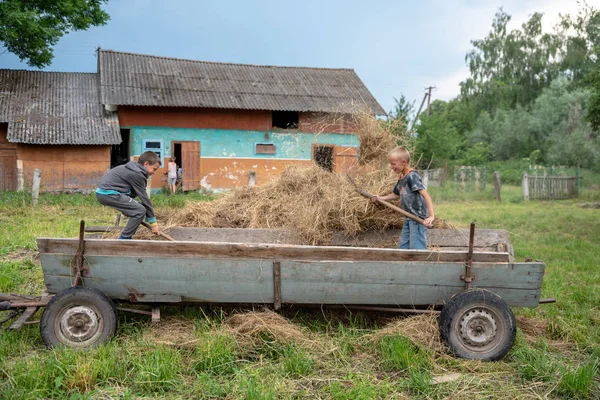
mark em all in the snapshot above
pixel 20 178
pixel 35 189
pixel 497 185
pixel 525 186
pixel 577 179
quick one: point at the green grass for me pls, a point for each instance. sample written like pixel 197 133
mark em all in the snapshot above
pixel 562 361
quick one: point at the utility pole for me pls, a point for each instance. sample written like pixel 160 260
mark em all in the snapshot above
pixel 429 97
pixel 418 113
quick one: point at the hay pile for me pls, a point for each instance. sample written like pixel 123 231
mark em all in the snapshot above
pixel 310 201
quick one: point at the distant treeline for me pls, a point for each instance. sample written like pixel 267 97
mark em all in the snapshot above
pixel 530 95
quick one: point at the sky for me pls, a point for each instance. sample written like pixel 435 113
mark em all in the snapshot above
pixel 395 46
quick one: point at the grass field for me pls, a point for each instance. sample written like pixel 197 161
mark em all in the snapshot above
pixel 204 353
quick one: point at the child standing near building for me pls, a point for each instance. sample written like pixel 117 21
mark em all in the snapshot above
pixel 119 185
pixel 413 199
pixel 172 175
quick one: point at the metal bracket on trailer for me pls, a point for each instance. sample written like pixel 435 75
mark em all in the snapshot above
pixel 77 266
pixel 276 285
pixel 17 302
pixel 468 276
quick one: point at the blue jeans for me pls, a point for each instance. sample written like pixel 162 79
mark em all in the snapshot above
pixel 413 235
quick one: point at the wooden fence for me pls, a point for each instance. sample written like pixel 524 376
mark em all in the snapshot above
pixel 432 177
pixel 469 178
pixel 549 187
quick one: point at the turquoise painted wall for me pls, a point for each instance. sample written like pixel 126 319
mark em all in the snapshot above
pixel 241 143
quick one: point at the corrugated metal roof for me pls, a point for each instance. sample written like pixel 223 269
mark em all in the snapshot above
pixel 143 80
pixel 55 108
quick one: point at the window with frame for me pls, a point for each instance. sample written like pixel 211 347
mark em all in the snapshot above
pixel 155 145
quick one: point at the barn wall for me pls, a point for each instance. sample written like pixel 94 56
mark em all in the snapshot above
pixel 227 156
pixel 181 117
pixel 64 168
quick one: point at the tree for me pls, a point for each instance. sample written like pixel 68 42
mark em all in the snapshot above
pixel 403 110
pixel 29 28
pixel 511 68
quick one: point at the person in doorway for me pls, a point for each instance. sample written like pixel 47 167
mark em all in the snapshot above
pixel 121 184
pixel 414 199
pixel 179 179
pixel 172 175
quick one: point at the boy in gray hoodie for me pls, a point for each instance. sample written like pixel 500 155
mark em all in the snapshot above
pixel 119 185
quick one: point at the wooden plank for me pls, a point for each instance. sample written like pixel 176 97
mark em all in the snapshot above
pixel 233 235
pixel 413 284
pixel 310 282
pixel 484 238
pixel 256 251
pixel 199 280
pixel 28 313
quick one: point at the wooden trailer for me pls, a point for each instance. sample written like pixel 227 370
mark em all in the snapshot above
pixel 472 287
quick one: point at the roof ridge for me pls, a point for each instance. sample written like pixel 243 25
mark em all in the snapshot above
pixel 225 63
pixel 48 72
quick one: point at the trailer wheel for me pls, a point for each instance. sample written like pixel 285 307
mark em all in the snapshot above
pixel 79 317
pixel 478 325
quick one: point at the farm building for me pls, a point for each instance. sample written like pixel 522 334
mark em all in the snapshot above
pixel 53 121
pixel 221 121
pixel 226 124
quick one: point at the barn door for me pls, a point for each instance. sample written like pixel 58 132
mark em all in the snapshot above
pixel 8 170
pixel 8 161
pixel 190 160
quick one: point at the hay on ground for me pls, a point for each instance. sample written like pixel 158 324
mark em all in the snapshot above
pixel 173 331
pixel 422 330
pixel 251 328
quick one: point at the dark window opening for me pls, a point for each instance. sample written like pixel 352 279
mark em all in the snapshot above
pixel 323 156
pixel 285 119
pixel 119 153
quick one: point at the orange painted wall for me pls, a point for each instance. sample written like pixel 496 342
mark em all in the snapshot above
pixel 181 117
pixel 64 167
pixel 227 173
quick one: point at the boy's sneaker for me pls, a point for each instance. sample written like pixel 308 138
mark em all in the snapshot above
pixel 124 237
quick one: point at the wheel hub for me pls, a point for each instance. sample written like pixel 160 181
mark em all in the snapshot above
pixel 79 324
pixel 477 327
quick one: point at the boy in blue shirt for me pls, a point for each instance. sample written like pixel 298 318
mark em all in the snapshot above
pixel 119 185
pixel 414 199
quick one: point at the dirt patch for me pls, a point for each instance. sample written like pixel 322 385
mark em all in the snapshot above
pixel 23 254
pixel 590 205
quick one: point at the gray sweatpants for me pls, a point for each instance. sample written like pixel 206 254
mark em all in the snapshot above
pixel 128 206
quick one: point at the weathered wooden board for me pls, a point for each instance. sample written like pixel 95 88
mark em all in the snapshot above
pixel 484 238
pixel 309 282
pixel 158 279
pixel 416 283
pixel 233 235
pixel 213 250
